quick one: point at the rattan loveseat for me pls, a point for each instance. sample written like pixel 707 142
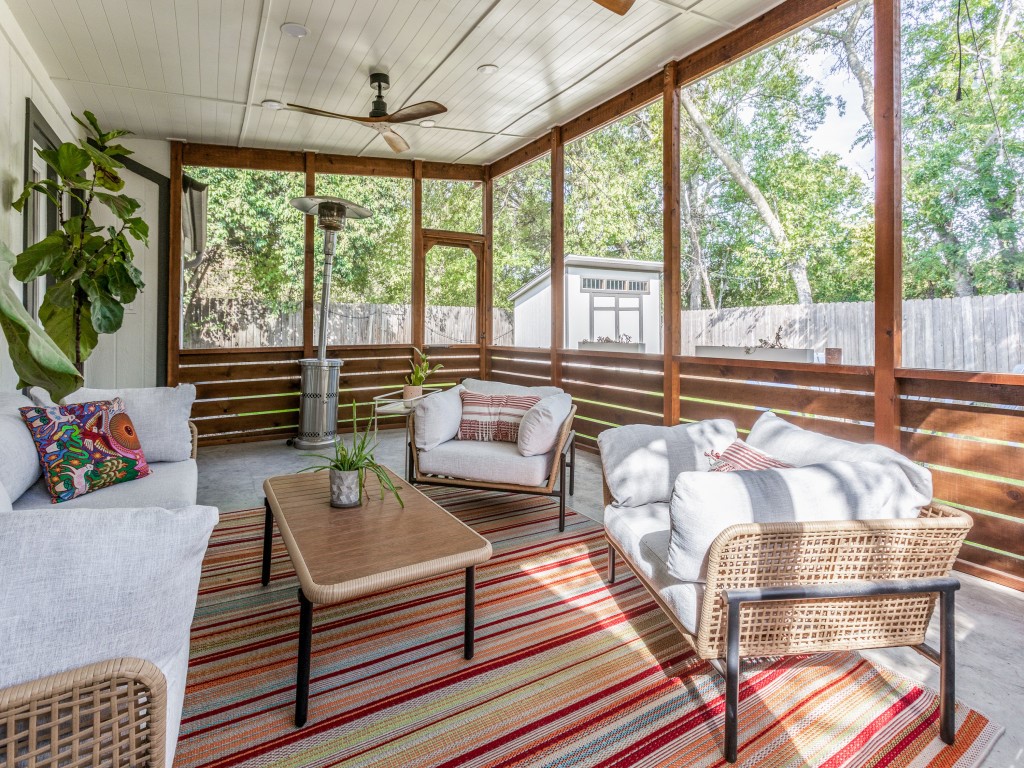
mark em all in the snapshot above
pixel 788 588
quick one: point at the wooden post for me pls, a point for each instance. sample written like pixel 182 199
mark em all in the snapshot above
pixel 309 268
pixel 557 254
pixel 672 225
pixel 485 299
pixel 419 271
pixel 174 267
pixel 888 223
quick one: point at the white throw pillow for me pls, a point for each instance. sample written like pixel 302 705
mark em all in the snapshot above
pixel 500 388
pixel 641 462
pixel 160 416
pixel 539 428
pixel 437 418
pixel 800 447
pixel 706 503
pixel 19 461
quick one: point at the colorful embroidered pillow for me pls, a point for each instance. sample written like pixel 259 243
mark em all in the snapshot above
pixel 493 418
pixel 739 456
pixel 85 447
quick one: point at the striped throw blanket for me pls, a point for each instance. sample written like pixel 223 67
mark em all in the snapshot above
pixel 739 456
pixel 493 418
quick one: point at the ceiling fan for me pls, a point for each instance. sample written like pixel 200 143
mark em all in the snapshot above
pixel 617 6
pixel 379 118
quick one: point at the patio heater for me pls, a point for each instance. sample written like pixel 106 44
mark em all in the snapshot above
pixel 318 407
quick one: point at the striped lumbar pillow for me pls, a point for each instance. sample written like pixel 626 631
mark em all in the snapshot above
pixel 739 456
pixel 493 418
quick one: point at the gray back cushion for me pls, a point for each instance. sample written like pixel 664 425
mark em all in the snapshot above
pixel 160 416
pixel 500 388
pixel 800 447
pixel 641 462
pixel 538 432
pixel 19 461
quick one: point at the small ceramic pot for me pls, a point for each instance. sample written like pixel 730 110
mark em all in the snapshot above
pixel 345 489
pixel 410 392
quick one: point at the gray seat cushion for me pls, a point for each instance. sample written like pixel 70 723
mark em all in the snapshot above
pixel 642 534
pixel 85 585
pixel 19 461
pixel 491 462
pixel 172 485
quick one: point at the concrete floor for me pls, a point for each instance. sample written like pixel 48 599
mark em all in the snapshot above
pixel 990 618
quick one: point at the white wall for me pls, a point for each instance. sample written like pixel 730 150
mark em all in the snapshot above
pixel 532 318
pixel 22 77
pixel 127 358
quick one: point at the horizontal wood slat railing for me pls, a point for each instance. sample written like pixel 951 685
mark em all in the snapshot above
pixel 969 429
pixel 244 395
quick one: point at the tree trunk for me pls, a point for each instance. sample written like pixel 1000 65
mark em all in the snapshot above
pixel 698 272
pixel 796 265
pixel 847 38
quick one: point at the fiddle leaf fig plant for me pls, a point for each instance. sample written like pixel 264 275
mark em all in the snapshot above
pixel 89 268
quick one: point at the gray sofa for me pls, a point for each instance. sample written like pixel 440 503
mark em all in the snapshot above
pixel 112 574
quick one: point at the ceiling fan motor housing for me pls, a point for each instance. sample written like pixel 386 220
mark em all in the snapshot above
pixel 381 82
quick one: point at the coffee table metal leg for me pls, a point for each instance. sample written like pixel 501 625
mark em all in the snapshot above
pixel 470 629
pixel 268 539
pixel 305 649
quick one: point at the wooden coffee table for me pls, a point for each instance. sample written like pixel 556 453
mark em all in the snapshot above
pixel 341 554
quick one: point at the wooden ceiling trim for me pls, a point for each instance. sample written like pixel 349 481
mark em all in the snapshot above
pixel 222 156
pixel 630 100
pixel 522 156
pixel 453 171
pixel 364 166
pixel 767 28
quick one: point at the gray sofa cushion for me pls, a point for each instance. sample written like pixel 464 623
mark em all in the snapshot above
pixel 706 503
pixel 86 585
pixel 539 429
pixel 437 418
pixel 5 500
pixel 160 416
pixel 486 462
pixel 171 485
pixel 19 461
pixel 500 388
pixel 642 535
pixel 800 447
pixel 641 462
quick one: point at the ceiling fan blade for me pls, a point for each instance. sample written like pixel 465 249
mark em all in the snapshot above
pixel 616 6
pixel 396 142
pixel 325 113
pixel 419 111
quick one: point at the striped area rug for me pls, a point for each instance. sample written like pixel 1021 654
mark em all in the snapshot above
pixel 568 671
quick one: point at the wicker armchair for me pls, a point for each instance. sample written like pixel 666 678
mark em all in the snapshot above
pixel 564 458
pixel 111 713
pixel 797 588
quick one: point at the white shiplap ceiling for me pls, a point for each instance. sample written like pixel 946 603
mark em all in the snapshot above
pixel 198 69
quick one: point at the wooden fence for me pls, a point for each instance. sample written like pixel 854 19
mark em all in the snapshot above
pixel 974 333
pixel 247 324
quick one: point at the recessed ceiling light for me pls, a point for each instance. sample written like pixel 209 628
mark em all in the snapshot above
pixel 428 123
pixel 273 104
pixel 487 69
pixel 294 29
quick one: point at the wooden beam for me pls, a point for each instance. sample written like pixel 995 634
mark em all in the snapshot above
pixel 364 166
pixel 453 171
pixel 218 156
pixel 888 223
pixel 485 301
pixel 672 231
pixel 174 267
pixel 419 272
pixel 455 239
pixel 557 253
pixel 522 156
pixel 630 100
pixel 758 33
pixel 308 267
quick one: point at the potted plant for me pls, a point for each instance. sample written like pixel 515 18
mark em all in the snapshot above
pixel 414 381
pixel 765 349
pixel 349 465
pixel 624 343
pixel 88 268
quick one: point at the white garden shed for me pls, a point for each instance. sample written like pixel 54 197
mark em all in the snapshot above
pixel 616 299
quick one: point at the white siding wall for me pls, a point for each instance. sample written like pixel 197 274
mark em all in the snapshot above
pixel 532 318
pixel 22 77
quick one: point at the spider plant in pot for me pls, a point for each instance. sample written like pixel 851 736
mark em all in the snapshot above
pixel 349 466
pixel 414 381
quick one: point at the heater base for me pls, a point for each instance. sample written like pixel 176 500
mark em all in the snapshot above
pixel 318 406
